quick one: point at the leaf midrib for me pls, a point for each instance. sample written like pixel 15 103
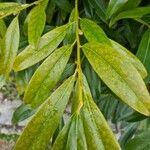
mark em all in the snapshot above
pixel 40 85
pixel 117 73
pixel 41 125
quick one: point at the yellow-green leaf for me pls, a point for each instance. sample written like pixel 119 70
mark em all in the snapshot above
pixel 93 138
pixel 9 8
pixel 61 140
pixel 40 129
pixel 131 57
pixel 72 135
pixel 46 76
pixel 36 24
pixel 95 126
pixel 48 43
pixel 143 52
pixel 93 32
pixel 10 47
pixel 132 13
pixel 119 75
pixel 3 28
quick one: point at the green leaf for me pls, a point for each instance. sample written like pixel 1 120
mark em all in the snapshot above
pixel 40 129
pixel 133 13
pixel 98 134
pixel 131 58
pixel 130 4
pixel 72 135
pixel 113 6
pixel 93 138
pixel 48 43
pixel 81 139
pixel 93 32
pixel 46 76
pixel 119 75
pixel 61 140
pixel 129 131
pixel 71 34
pixel 10 47
pixel 36 24
pixel 7 9
pixel 139 142
pixel 143 52
pixel 21 113
pixel 3 28
pixel 99 6
pixel 64 5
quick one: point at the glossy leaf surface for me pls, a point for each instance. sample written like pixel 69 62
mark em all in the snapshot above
pixel 113 6
pixel 61 141
pixel 72 135
pixel 99 6
pixel 10 47
pixel 9 8
pixel 3 28
pixel 131 57
pixel 48 43
pixel 36 24
pixel 94 33
pixel 98 134
pixel 133 13
pixel 143 52
pixel 40 129
pixel 119 75
pixel 139 142
pixel 46 76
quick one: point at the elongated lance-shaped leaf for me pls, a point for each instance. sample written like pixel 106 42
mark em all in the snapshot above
pixel 72 135
pixel 3 28
pixel 143 52
pixel 81 139
pixel 36 24
pixel 95 125
pixel 114 5
pixel 61 140
pixel 93 138
pixel 99 6
pixel 94 33
pixel 10 47
pixel 48 43
pixel 131 57
pixel 140 141
pixel 71 34
pixel 133 13
pixel 119 75
pixel 40 129
pixel 46 76
pixel 9 8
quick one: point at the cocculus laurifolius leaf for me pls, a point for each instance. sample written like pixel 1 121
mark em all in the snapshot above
pixel 46 76
pixel 119 75
pixel 47 44
pixel 9 47
pixel 42 126
pixel 36 24
pixel 94 33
